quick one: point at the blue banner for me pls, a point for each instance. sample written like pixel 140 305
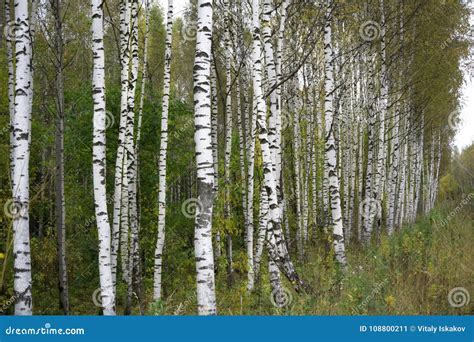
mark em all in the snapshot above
pixel 237 329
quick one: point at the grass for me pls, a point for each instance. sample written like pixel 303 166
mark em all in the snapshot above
pixel 411 272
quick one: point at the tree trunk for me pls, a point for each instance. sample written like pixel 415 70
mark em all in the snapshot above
pixel 333 180
pixel 21 128
pixel 206 296
pixel 160 242
pixel 59 198
pixel 276 244
pixel 98 159
pixel 119 162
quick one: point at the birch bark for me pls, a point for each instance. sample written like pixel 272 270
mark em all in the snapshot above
pixel 98 159
pixel 163 154
pixel 21 134
pixel 206 296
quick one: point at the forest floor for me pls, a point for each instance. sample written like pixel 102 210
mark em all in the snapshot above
pixel 411 272
pixel 425 269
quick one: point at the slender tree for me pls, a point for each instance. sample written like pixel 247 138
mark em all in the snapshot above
pixel 275 240
pixel 119 163
pixel 98 158
pixel 11 76
pixel 163 154
pixel 21 128
pixel 206 296
pixel 59 150
pixel 331 152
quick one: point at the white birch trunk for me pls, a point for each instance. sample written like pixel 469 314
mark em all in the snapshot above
pixel 21 134
pixel 131 225
pixel 274 120
pixel 262 230
pixel 250 194
pixel 380 169
pixel 160 242
pixel 206 296
pixel 370 203
pixel 119 162
pixel 11 77
pixel 333 180
pixel 394 172
pixel 296 161
pixel 215 144
pixel 228 137
pixel 98 159
pixel 276 243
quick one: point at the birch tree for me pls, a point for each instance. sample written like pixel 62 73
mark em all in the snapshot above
pixel 98 159
pixel 21 133
pixel 59 150
pixel 333 180
pixel 163 154
pixel 206 296
pixel 119 163
pixel 275 241
pixel 11 75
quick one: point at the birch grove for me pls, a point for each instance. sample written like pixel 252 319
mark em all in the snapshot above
pixel 282 147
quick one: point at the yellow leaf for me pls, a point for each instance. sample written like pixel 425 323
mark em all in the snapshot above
pixel 390 300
